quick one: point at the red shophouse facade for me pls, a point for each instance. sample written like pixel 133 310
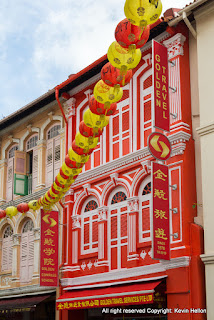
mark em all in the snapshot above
pixel 107 231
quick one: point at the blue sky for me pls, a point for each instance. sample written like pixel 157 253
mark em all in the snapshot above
pixel 43 41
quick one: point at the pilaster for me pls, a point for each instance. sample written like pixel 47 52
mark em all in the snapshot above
pixel 16 256
pixel 102 236
pixel 133 211
pixel 41 147
pixel 3 180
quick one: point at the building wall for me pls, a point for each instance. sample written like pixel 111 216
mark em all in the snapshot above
pixel 205 49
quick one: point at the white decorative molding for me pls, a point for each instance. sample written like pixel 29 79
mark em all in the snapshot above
pixel 89 265
pixel 16 239
pixel 69 107
pixel 162 266
pixel 6 281
pixel 86 188
pixel 148 58
pixel 7 144
pixel 207 258
pixel 83 266
pixel 133 204
pixel 132 257
pixel 146 166
pixel 150 253
pixel 88 93
pixel 114 178
pixel 76 221
pixel 36 233
pixel 143 254
pixel 206 129
pixel 175 45
pixel 102 211
pixel 85 84
pixel 178 140
pixel 159 38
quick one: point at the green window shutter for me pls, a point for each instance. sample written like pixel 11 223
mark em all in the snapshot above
pixel 20 184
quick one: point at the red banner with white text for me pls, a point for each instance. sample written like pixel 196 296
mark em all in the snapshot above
pixel 161 87
pixel 160 211
pixel 49 249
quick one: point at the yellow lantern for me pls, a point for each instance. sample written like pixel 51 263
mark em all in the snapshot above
pixel 66 170
pixel 73 156
pixel 106 94
pixel 85 143
pixel 95 121
pixel 60 179
pixel 123 58
pixel 34 205
pixel 57 187
pixel 11 211
pixel 142 12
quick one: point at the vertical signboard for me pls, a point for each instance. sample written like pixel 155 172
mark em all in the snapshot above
pixel 160 212
pixel 161 86
pixel 49 249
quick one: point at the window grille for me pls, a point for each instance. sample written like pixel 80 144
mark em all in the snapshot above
pixel 12 151
pixel 28 226
pixel 32 142
pixel 118 197
pixel 8 232
pixel 147 189
pixel 91 205
pixel 53 132
pixel 57 153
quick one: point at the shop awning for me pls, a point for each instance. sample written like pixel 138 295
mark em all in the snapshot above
pixel 120 295
pixel 21 304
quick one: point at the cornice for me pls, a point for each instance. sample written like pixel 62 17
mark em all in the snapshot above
pixel 85 84
pixel 159 38
pixel 162 266
pixel 178 141
pixel 27 290
pixel 206 129
pixel 206 9
pixel 207 258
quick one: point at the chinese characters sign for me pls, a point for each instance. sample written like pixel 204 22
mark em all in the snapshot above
pixel 160 211
pixel 49 249
pixel 104 302
pixel 159 146
pixel 161 87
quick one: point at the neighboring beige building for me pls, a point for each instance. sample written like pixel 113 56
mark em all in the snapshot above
pixel 199 16
pixel 37 130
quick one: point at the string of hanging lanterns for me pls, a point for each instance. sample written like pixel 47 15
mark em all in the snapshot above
pixel 124 54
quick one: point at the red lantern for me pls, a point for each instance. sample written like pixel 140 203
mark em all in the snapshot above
pixel 72 164
pixel 98 108
pixel 54 190
pixel 113 76
pixel 62 174
pixel 79 150
pixel 50 196
pixel 127 34
pixel 88 132
pixel 2 214
pixel 23 207
pixel 58 183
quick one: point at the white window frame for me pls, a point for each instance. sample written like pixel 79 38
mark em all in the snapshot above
pixel 143 198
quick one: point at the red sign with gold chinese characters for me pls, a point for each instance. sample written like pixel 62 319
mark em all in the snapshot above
pixel 160 212
pixel 159 146
pixel 161 87
pixel 49 249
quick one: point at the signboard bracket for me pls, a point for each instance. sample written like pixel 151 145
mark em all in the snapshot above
pixel 173 186
pixel 174 115
pixel 175 235
pixel 174 89
pixel 173 63
pixel 174 210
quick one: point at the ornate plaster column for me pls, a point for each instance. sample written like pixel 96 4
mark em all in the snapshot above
pixel 67 234
pixel 75 241
pixel 16 256
pixel 133 211
pixel 102 236
pixel 36 232
pixel 3 180
pixel 70 112
pixel 41 147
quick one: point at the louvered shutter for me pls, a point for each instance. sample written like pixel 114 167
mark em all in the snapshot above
pixel 30 255
pixel 24 258
pixel 35 169
pixel 5 261
pixel 57 155
pixel 49 163
pixel 10 253
pixel 10 172
pixel 20 162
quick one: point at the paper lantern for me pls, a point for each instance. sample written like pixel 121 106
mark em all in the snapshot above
pixel 23 207
pixel 89 132
pixel 76 157
pixel 122 58
pixel 34 205
pixel 113 76
pixel 72 164
pixel 2 214
pixel 142 12
pixel 107 95
pixel 95 121
pixel 128 34
pixel 57 186
pixel 81 151
pixel 54 190
pixel 11 211
pixel 63 175
pixel 60 180
pixel 85 143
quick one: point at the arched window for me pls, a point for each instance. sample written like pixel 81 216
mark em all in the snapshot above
pixel 7 252
pixel 32 163
pixel 89 227
pixel 53 154
pixel 145 106
pixel 27 252
pixel 117 219
pixel 10 172
pixel 144 210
